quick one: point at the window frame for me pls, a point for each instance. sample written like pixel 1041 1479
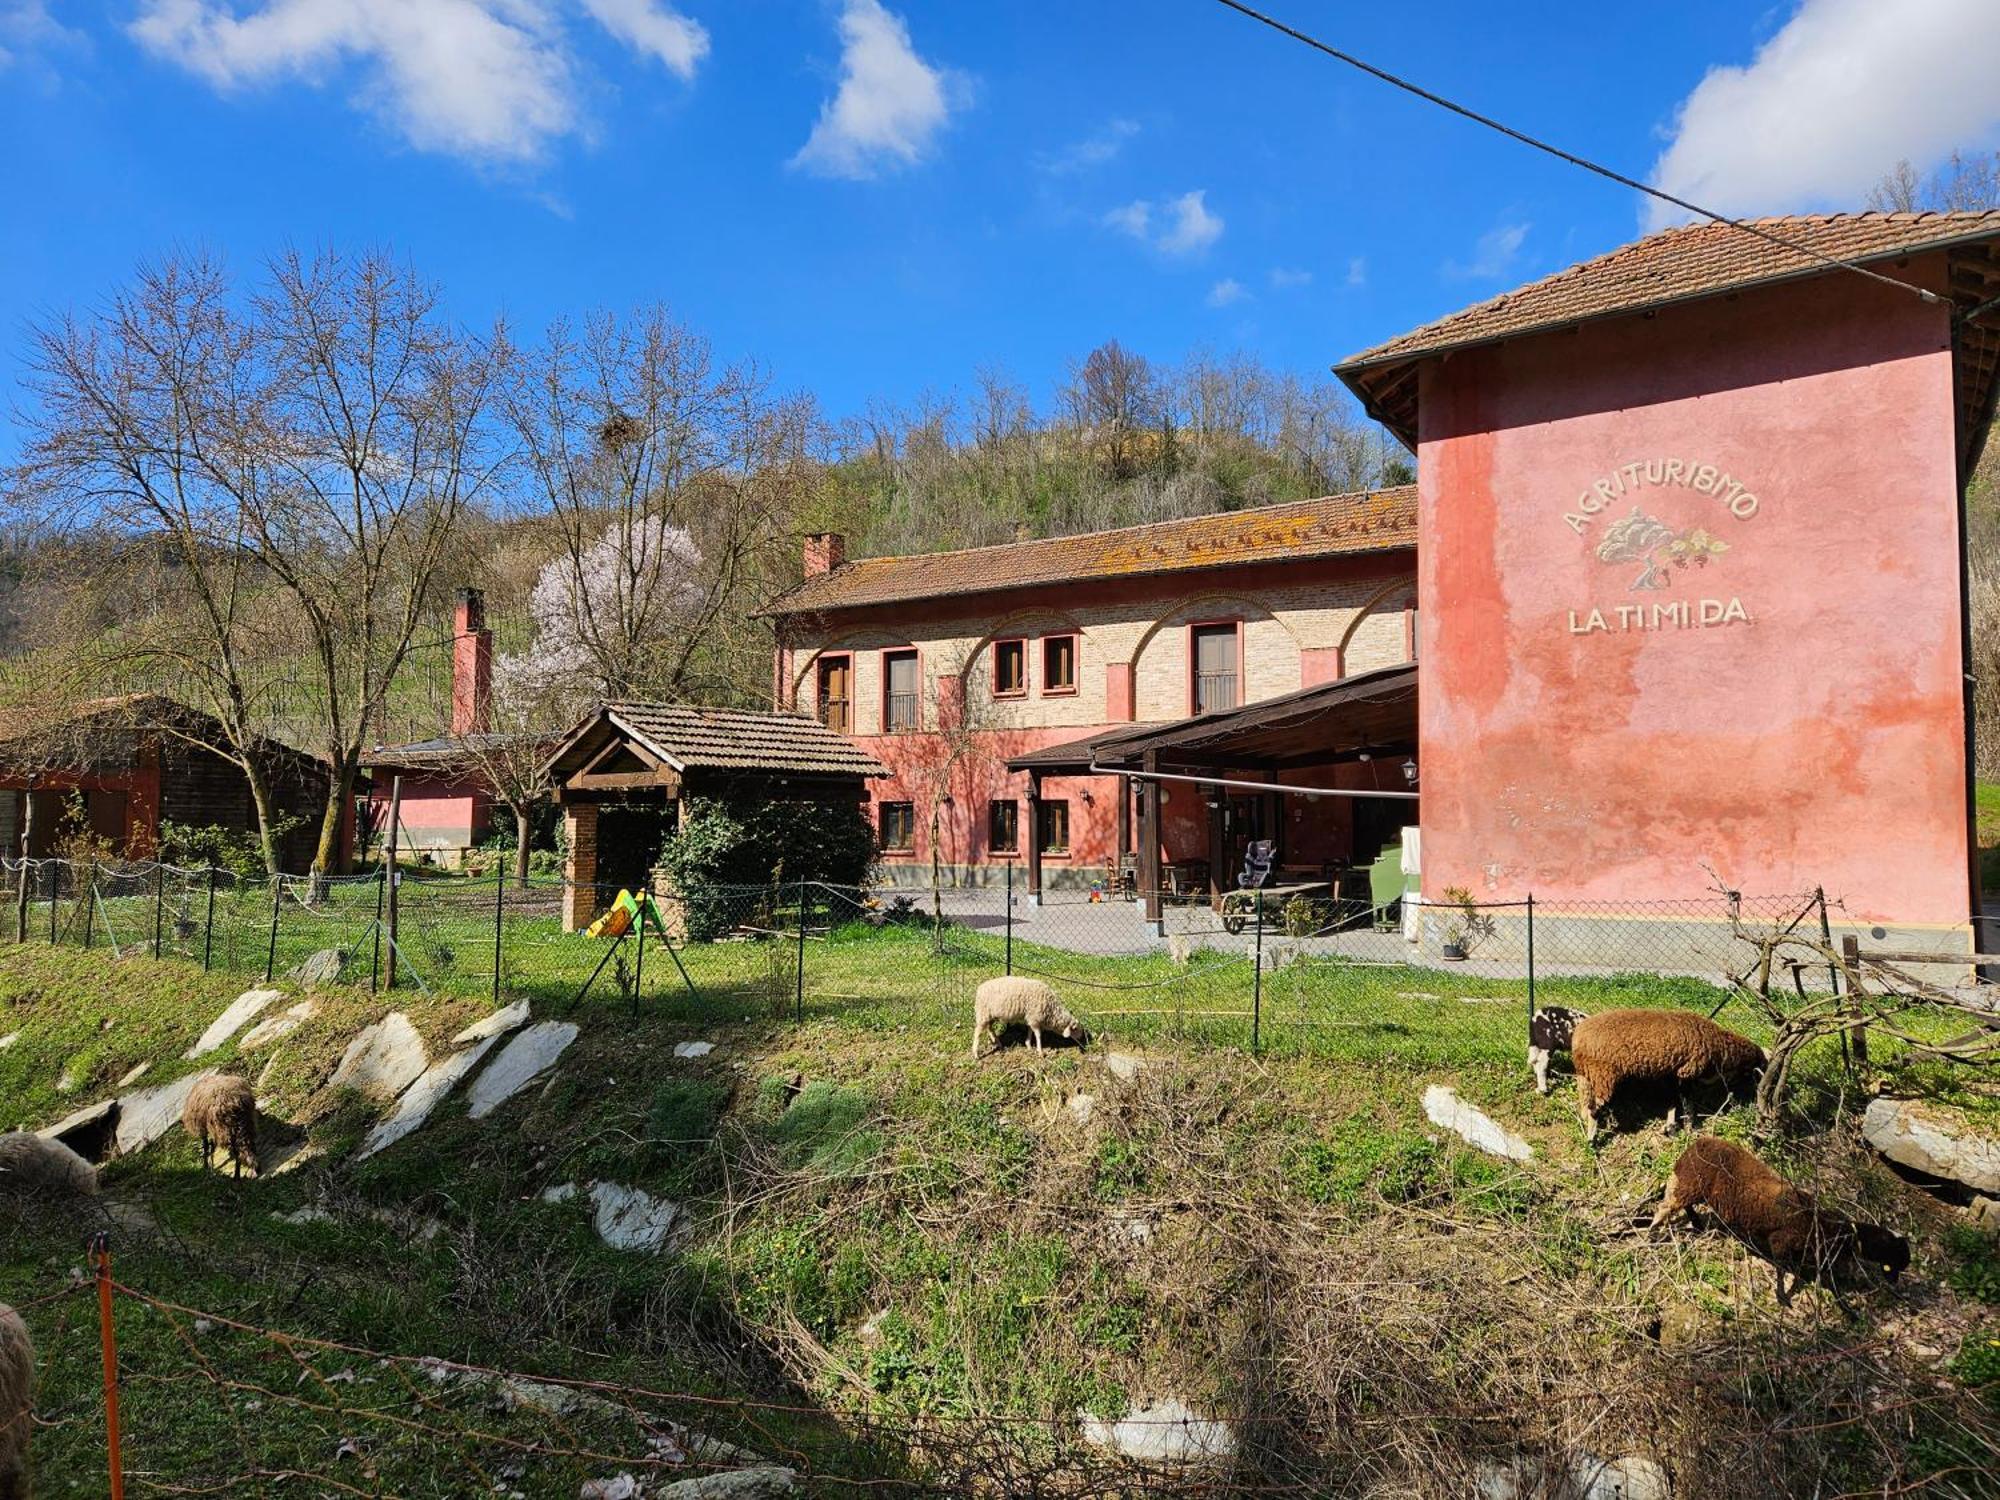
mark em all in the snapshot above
pixel 821 662
pixel 1044 807
pixel 1013 806
pixel 909 845
pixel 1075 640
pixel 1194 628
pixel 916 657
pixel 1020 641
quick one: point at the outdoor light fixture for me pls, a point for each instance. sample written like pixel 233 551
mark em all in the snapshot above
pixel 1365 757
pixel 1410 772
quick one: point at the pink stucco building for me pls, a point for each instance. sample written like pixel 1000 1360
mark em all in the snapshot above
pixel 1690 567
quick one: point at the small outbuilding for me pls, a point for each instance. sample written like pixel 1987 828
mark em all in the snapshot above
pixel 623 776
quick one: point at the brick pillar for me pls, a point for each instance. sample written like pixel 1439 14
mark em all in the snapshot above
pixel 1118 692
pixel 580 869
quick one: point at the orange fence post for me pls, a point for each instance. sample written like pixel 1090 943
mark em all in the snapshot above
pixel 100 1255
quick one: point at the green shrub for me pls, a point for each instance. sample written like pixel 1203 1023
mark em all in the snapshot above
pixel 752 843
pixel 824 1131
pixel 684 1113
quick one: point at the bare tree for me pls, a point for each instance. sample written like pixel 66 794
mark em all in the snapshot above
pixel 1964 182
pixel 1112 399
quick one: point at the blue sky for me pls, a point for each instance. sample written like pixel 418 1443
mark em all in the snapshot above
pixel 875 197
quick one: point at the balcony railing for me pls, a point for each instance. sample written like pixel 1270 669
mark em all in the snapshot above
pixel 901 712
pixel 1214 690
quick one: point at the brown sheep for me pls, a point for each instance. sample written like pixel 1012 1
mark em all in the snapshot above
pixel 1618 1047
pixel 221 1111
pixel 1778 1221
pixel 29 1164
pixel 17 1392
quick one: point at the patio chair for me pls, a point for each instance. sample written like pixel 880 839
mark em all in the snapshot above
pixel 1385 887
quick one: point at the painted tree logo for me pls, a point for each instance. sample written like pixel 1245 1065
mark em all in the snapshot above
pixel 1657 548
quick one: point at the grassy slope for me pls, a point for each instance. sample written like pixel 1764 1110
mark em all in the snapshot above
pixel 919 1238
pixel 1987 800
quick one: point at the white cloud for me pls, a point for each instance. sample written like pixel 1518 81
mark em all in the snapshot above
pixel 1841 93
pixel 27 27
pixel 1179 226
pixel 1227 292
pixel 490 80
pixel 647 26
pixel 1094 150
pixel 1493 257
pixel 1285 278
pixel 891 104
pixel 1357 271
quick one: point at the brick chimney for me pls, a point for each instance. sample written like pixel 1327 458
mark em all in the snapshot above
pixel 471 665
pixel 825 551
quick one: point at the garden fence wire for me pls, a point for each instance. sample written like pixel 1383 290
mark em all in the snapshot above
pixel 1249 968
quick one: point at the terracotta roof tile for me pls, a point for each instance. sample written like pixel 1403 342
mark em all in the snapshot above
pixel 1696 260
pixel 727 739
pixel 1367 521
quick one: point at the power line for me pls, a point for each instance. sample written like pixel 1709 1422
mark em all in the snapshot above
pixel 1569 156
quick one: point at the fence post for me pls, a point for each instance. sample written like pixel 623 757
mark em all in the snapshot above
pixel 1531 964
pixel 159 900
pixel 208 924
pixel 55 886
pixel 21 899
pixel 1257 983
pixel 499 917
pixel 277 899
pixel 639 962
pixel 100 1254
pixel 799 989
pixel 90 908
pixel 375 963
pixel 1850 953
pixel 1010 916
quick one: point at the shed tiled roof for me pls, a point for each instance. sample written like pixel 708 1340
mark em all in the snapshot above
pixel 1678 265
pixel 1366 521
pixel 728 739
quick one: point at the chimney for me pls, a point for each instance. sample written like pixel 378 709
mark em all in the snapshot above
pixel 471 666
pixel 825 551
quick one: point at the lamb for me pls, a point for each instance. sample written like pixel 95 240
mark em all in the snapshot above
pixel 1015 1000
pixel 1778 1221
pixel 221 1111
pixel 17 1391
pixel 1549 1032
pixel 29 1164
pixel 1619 1047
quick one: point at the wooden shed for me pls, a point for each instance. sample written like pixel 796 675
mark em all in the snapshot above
pixel 623 775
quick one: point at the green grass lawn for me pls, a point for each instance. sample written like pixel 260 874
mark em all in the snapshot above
pixel 1986 800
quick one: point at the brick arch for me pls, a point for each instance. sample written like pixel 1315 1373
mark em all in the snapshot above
pixel 847 642
pixel 1185 607
pixel 1405 586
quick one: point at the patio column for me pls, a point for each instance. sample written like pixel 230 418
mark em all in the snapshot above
pixel 1033 834
pixel 580 871
pixel 1149 842
pixel 1122 789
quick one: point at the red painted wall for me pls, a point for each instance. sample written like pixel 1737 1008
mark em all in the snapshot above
pixel 1816 740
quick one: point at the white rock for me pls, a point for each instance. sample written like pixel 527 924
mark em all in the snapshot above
pixel 423 1096
pixel 1984 1212
pixel 562 1192
pixel 512 1018
pixel 241 1012
pixel 693 1049
pixel 629 1218
pixel 1081 1107
pixel 383 1060
pixel 1923 1141
pixel 9 1039
pixel 1123 1065
pixel 623 1487
pixel 312 1213
pixel 69 1083
pixel 1165 1432
pixel 148 1114
pixel 525 1058
pixel 272 1027
pixel 1128 1224
pixel 134 1073
pixel 322 967
pixel 760 1483
pixel 1628 1478
pixel 1446 1109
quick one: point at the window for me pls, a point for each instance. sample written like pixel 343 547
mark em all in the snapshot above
pixel 1052 826
pixel 836 693
pixel 1003 827
pixel 1059 664
pixel 900 711
pixel 898 826
pixel 1216 670
pixel 1010 669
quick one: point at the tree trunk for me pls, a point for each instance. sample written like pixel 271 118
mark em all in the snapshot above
pixel 260 798
pixel 521 847
pixel 327 855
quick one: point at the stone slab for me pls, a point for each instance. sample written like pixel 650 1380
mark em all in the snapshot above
pixel 383 1059
pixel 1930 1142
pixel 147 1114
pixel 525 1058
pixel 240 1013
pixel 508 1018
pixel 271 1028
pixel 423 1096
pixel 1163 1432
pixel 1477 1128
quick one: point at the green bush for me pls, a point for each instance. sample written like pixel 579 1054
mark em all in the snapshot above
pixel 738 843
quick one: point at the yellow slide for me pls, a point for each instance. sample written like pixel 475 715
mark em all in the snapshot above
pixel 625 911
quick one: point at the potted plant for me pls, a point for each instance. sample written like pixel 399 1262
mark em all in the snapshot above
pixel 1463 926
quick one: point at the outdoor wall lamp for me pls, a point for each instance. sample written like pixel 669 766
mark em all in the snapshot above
pixel 1410 772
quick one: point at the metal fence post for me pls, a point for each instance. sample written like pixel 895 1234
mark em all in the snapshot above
pixel 55 886
pixel 799 989
pixel 639 961
pixel 159 901
pixel 1257 983
pixel 1531 964
pixel 499 918
pixel 375 963
pixel 90 907
pixel 1010 916
pixel 271 953
pixel 208 924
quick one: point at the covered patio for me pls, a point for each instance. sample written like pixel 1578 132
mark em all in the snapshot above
pixel 1328 774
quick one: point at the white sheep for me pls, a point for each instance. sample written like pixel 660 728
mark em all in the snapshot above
pixel 17 1394
pixel 29 1164
pixel 1015 1000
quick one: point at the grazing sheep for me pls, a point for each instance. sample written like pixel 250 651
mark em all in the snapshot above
pixel 17 1390
pixel 1778 1221
pixel 221 1111
pixel 1018 1001
pixel 29 1164
pixel 1617 1047
pixel 1549 1032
